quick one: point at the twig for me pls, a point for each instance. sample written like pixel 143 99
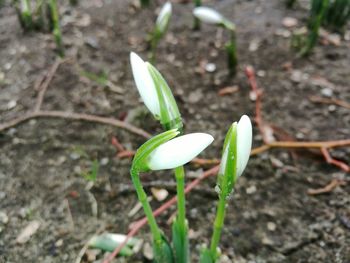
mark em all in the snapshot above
pixel 140 223
pixel 329 159
pixel 338 102
pixel 115 142
pixel 328 188
pixel 249 70
pixel 74 116
pixel 37 113
pixel 322 145
pixel 46 82
pixel 70 217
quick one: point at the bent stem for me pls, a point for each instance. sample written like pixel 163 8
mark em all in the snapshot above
pixel 142 196
pixel 218 224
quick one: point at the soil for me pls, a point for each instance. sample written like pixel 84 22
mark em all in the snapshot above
pixel 270 218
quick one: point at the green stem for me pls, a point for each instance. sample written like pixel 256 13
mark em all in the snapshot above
pixel 56 26
pixel 154 44
pixel 218 224
pixel 232 53
pixel 27 14
pixel 180 187
pixel 196 21
pixel 142 196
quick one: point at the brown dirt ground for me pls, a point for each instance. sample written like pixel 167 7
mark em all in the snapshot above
pixel 271 217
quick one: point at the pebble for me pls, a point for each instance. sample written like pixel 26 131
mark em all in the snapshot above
pixel 210 67
pixel 289 22
pixel 332 108
pixel 327 92
pixel 104 161
pixel 11 104
pixel 251 190
pixel 3 217
pixel 271 226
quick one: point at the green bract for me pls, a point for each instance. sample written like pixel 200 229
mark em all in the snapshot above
pixel 170 116
pixel 139 163
pixel 228 168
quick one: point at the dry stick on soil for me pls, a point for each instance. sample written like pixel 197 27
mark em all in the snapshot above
pixel 38 113
pixel 328 188
pixel 338 102
pixel 323 146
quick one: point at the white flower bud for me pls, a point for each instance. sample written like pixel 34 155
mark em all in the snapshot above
pixel 164 17
pixel 208 15
pixel 145 84
pixel 178 151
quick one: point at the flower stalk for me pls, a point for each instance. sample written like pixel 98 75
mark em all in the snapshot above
pixel 211 16
pixel 196 21
pixel 56 26
pixel 160 29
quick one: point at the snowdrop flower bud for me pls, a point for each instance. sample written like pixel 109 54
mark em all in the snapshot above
pixel 244 143
pixel 178 151
pixel 236 152
pixel 145 84
pixel 164 17
pixel 211 16
pixel 208 15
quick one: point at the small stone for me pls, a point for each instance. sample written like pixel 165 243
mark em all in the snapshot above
pixel 332 108
pixel 59 243
pixel 159 194
pixel 4 218
pixel 327 92
pixel 271 226
pixel 147 251
pixel 267 241
pixel 283 33
pixel 74 156
pixel 261 73
pixel 289 22
pixel 210 67
pixel 254 45
pixel 104 161
pixel 11 104
pixel 251 190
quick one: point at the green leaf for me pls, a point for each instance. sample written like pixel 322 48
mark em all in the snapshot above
pixel 180 242
pixel 206 256
pixel 139 163
pixel 162 251
pixel 92 175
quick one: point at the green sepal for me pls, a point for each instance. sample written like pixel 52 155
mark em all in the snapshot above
pixel 180 242
pixel 227 176
pixel 139 163
pixel 161 28
pixel 206 256
pixel 170 116
pixel 162 251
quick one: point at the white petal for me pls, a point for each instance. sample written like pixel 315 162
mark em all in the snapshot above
pixel 244 143
pixel 144 83
pixel 164 16
pixel 208 15
pixel 178 151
